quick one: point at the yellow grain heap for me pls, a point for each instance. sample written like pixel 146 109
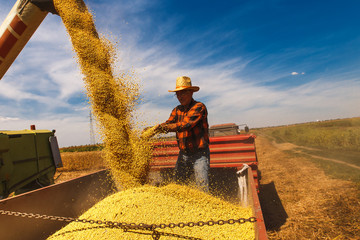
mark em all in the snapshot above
pixel 112 98
pixel 158 205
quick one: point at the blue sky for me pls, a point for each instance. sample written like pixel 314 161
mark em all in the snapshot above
pixel 263 63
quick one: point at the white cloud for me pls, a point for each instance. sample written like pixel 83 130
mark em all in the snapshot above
pixel 232 99
pixel 7 119
pixel 296 73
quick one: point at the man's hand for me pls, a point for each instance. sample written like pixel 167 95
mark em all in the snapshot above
pixel 157 127
pixel 171 127
pixel 163 127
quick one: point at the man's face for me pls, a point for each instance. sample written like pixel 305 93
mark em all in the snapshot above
pixel 184 97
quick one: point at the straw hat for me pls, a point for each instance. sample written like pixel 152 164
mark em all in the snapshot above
pixel 184 83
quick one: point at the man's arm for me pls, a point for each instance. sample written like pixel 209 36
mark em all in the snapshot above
pixel 165 127
pixel 195 114
pixel 168 127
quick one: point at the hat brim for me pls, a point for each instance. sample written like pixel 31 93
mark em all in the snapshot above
pixel 193 88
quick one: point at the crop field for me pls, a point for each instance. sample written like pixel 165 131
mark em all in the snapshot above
pixel 332 145
pixel 310 187
pixel 301 200
pixel 83 148
pixel 77 164
pixel 342 134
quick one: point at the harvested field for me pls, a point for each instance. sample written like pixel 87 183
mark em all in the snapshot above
pixel 300 202
pixel 77 164
pixel 82 161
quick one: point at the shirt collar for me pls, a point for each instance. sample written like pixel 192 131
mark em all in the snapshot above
pixel 192 103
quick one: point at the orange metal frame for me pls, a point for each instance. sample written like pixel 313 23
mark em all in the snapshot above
pixel 260 229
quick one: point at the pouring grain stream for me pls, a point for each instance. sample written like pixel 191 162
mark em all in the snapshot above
pixel 112 98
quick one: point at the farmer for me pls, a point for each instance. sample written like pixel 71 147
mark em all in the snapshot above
pixel 189 121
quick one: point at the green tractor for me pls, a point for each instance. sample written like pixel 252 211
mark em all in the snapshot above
pixel 28 160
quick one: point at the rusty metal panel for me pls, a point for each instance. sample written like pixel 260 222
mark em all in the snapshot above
pixel 68 199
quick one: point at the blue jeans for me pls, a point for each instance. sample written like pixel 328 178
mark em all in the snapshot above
pixel 197 163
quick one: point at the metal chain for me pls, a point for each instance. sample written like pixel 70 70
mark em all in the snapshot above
pixel 132 226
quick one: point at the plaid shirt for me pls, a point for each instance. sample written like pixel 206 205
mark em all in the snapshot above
pixel 192 126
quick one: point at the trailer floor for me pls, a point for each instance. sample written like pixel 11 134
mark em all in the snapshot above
pixel 300 202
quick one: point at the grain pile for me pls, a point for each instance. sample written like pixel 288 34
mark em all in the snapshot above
pixel 154 205
pixel 112 98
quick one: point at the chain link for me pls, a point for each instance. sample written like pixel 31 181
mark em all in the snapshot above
pixel 133 226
